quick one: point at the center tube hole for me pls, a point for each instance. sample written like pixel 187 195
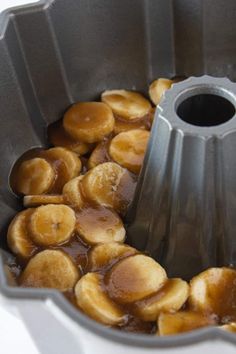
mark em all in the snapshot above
pixel 206 110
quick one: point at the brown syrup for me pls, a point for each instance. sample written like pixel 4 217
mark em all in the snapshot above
pixel 135 325
pixel 100 154
pixel 79 251
pixel 122 124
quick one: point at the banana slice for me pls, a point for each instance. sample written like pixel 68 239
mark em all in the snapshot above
pixel 182 321
pixel 50 269
pixel 42 199
pixel 231 327
pixel 134 278
pixel 89 122
pixel 104 255
pixel 158 88
pixel 94 301
pixel 51 224
pixel 170 298
pixel 128 149
pixel 213 291
pixel 99 155
pixel 109 185
pixel 127 104
pixel 99 225
pixel 58 137
pixel 72 192
pixel 17 236
pixel 66 163
pixel 34 176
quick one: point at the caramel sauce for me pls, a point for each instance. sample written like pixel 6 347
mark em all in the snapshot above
pixel 145 122
pixel 126 191
pixel 75 248
pixel 61 174
pixel 135 325
pixel 78 250
pixel 100 154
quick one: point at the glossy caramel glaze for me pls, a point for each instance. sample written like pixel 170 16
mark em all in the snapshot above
pixel 122 125
pixel 99 154
pixel 129 279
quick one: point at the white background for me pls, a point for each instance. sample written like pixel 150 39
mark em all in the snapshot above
pixel 4 4
pixel 14 338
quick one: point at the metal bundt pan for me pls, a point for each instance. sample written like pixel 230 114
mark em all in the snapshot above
pixel 183 212
pixel 57 52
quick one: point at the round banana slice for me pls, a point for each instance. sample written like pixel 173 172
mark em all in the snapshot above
pixel 94 301
pixel 58 137
pixel 109 185
pixel 158 88
pixel 182 321
pixel 134 278
pixel 128 149
pixel 42 199
pixel 51 224
pixel 72 192
pixel 89 122
pixel 34 176
pixel 99 155
pixel 170 298
pixel 231 327
pixel 213 291
pixel 17 236
pixel 105 255
pixel 99 225
pixel 67 165
pixel 127 104
pixel 50 269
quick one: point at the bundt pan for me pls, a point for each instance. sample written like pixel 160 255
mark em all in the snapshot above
pixel 57 52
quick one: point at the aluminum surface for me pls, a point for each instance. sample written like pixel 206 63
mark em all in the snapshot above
pixel 184 209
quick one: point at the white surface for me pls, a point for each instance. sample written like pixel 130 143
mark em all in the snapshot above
pixel 14 337
pixel 4 4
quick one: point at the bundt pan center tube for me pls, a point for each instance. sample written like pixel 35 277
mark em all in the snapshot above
pixel 184 209
pixel 58 52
